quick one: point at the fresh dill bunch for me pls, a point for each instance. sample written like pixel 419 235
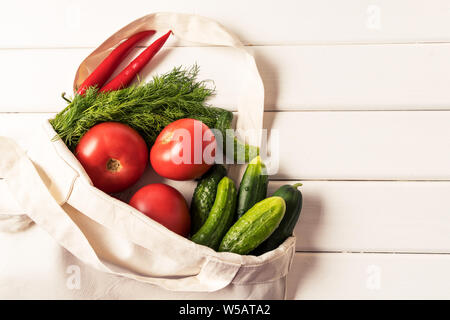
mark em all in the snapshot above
pixel 146 107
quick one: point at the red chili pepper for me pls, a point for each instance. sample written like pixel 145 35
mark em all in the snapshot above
pixel 130 71
pixel 104 70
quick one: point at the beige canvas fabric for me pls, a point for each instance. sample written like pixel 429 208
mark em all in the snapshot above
pixel 108 237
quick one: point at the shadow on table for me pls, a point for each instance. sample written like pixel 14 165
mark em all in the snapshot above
pixel 307 231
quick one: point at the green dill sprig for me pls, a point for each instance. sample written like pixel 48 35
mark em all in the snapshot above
pixel 146 107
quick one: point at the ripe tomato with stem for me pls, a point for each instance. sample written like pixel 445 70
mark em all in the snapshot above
pixel 114 156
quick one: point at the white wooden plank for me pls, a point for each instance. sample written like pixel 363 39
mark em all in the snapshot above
pixel 334 145
pixel 357 77
pixel 358 216
pixel 373 216
pixel 77 23
pixel 388 145
pixel 361 77
pixel 21 127
pixel 45 74
pixel 369 276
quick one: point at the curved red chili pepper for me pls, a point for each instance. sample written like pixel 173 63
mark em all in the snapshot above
pixel 101 74
pixel 130 71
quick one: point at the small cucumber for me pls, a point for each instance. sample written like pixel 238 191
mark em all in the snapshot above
pixel 242 152
pixel 204 195
pixel 221 216
pixel 255 226
pixel 253 186
pixel 294 200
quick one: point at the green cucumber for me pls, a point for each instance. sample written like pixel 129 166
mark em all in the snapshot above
pixel 221 216
pixel 255 226
pixel 253 187
pixel 242 152
pixel 204 195
pixel 294 200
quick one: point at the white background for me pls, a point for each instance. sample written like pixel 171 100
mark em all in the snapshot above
pixel 359 89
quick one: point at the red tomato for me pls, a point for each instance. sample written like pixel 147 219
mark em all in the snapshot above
pixel 113 155
pixel 184 150
pixel 165 205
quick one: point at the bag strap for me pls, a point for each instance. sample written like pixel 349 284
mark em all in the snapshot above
pixel 33 196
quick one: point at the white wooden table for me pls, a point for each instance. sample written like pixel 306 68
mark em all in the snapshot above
pixel 359 89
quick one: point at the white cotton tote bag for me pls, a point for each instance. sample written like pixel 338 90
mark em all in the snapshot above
pixel 96 246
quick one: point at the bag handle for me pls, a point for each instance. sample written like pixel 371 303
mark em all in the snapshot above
pixel 32 194
pixel 195 29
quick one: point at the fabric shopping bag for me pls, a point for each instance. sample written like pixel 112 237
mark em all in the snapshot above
pixel 112 239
